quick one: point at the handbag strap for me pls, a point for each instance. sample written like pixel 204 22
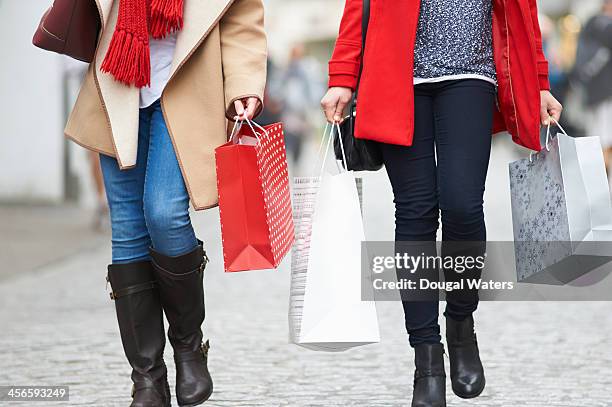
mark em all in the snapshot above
pixel 365 22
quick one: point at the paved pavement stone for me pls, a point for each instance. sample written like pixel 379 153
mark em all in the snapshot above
pixel 32 236
pixel 59 328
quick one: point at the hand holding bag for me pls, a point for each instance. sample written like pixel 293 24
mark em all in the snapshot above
pixel 360 155
pixel 70 27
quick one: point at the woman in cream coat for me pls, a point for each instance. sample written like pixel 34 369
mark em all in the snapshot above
pixel 155 122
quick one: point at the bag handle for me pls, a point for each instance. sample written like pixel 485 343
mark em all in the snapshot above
pixel 341 144
pixel 328 136
pixel 238 125
pixel 549 137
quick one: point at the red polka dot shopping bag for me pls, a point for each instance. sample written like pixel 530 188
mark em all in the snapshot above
pixel 254 199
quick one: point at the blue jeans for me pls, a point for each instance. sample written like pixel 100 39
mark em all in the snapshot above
pixel 149 204
pixel 444 171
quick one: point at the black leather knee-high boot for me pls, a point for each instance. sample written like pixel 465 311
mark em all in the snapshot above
pixel 180 281
pixel 429 377
pixel 141 324
pixel 467 373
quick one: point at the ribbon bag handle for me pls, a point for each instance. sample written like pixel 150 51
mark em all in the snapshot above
pixel 238 125
pixel 235 130
pixel 328 136
pixel 549 137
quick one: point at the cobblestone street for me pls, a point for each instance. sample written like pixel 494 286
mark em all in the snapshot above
pixel 59 328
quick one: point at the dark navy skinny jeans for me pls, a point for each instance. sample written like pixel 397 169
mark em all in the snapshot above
pixel 442 173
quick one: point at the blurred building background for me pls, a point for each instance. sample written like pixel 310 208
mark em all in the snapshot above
pixel 38 88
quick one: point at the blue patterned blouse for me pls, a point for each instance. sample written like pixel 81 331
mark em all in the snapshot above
pixel 454 41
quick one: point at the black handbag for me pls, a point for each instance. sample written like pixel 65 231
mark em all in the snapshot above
pixel 361 155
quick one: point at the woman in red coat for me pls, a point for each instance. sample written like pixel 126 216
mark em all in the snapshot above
pixel 439 78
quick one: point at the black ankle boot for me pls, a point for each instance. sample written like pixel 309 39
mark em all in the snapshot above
pixel 429 377
pixel 180 281
pixel 467 373
pixel 141 325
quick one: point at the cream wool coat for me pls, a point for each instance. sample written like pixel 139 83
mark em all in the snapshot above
pixel 220 57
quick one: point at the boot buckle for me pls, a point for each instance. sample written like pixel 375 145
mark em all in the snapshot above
pixel 111 293
pixel 204 347
pixel 205 261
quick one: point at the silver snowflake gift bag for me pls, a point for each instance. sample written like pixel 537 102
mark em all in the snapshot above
pixel 561 211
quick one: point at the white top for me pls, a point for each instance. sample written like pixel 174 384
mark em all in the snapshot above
pixel 454 41
pixel 418 81
pixel 162 54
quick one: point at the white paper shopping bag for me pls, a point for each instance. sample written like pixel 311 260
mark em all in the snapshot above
pixel 326 311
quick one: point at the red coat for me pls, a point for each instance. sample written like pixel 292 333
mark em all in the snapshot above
pixel 387 78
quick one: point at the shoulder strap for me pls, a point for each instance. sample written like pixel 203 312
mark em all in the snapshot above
pixel 365 21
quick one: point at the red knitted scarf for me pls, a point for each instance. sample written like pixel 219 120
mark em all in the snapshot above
pixel 128 57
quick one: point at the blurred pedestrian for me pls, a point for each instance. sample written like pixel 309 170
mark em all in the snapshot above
pixel 433 101
pixel 101 212
pixel 272 110
pixel 298 92
pixel 594 72
pixel 557 73
pixel 156 109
